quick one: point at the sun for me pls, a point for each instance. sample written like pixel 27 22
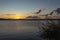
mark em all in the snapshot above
pixel 17 17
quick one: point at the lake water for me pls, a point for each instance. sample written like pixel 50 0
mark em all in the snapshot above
pixel 21 29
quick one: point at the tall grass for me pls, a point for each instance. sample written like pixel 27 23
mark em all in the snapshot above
pixel 52 32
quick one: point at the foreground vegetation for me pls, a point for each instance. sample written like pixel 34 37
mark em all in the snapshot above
pixel 52 32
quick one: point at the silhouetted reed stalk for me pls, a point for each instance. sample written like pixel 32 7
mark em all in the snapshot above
pixel 52 32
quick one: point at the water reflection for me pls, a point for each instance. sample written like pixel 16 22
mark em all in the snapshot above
pixel 16 26
pixel 23 29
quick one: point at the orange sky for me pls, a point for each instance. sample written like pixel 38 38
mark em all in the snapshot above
pixel 18 16
pixel 12 16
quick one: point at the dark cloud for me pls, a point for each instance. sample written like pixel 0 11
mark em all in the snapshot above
pixel 56 11
pixel 51 13
pixel 38 11
pixel 33 17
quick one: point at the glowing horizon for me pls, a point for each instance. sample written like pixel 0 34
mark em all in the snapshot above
pixel 12 16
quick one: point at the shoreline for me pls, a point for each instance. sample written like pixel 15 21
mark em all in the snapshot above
pixel 29 19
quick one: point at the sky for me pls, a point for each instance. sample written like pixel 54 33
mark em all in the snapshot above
pixel 27 7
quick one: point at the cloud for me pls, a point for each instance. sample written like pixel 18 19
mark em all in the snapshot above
pixel 51 13
pixel 33 17
pixel 56 11
pixel 46 16
pixel 38 11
